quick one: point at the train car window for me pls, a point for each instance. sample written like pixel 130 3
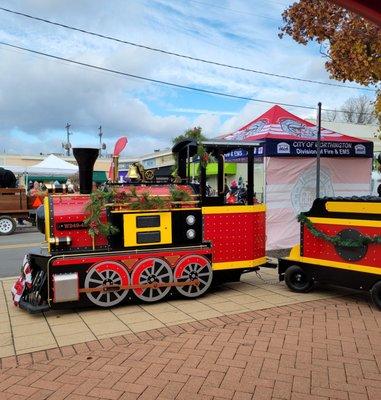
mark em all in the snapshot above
pixel 239 188
pixel 222 188
pixel 212 187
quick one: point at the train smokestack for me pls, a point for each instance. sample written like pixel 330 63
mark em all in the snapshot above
pixel 86 159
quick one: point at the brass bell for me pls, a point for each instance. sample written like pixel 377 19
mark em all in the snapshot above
pixel 133 172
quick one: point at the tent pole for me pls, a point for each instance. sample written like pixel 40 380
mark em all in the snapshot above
pixel 318 151
pixel 264 194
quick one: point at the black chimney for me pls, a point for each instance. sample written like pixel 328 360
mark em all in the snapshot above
pixel 86 159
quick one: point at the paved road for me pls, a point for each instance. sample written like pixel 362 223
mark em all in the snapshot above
pixel 13 248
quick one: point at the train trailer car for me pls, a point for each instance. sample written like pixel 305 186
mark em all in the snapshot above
pixel 340 244
pixel 142 240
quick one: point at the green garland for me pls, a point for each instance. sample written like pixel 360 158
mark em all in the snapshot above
pixel 98 199
pixel 141 201
pixel 179 194
pixel 337 240
pixel 147 202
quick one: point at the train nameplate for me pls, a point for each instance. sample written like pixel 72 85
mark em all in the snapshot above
pixel 68 226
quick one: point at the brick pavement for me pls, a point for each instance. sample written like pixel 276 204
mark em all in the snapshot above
pixel 325 349
pixel 21 332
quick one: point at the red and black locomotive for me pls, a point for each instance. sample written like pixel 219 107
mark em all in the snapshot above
pixel 183 246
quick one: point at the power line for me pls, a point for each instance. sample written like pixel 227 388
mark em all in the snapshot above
pixel 232 10
pixel 184 56
pixel 176 85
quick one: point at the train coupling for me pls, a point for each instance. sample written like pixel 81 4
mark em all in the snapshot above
pixel 270 263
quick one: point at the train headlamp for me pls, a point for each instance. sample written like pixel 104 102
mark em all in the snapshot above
pixel 190 220
pixel 191 233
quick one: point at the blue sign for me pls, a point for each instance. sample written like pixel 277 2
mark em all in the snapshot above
pixel 308 148
pixel 305 148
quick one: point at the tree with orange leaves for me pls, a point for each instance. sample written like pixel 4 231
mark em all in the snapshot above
pixel 352 43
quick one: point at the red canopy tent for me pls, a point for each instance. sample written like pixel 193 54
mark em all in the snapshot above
pixel 289 151
pixel 286 135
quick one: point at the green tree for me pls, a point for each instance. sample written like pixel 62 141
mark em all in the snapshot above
pixel 193 133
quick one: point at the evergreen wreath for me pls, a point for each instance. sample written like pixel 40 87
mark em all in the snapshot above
pixel 336 240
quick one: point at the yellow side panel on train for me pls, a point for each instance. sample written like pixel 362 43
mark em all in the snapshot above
pixel 163 230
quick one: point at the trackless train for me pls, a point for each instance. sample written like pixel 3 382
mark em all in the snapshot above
pixel 165 237
pixel 148 240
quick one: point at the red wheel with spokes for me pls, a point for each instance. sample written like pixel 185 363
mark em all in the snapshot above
pixel 152 271
pixel 106 274
pixel 193 268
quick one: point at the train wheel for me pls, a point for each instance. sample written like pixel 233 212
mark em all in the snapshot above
pixel 375 293
pixel 297 280
pixel 151 271
pixel 7 225
pixel 192 268
pixel 107 273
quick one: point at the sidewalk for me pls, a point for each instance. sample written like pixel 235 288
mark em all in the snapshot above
pixel 22 333
pixel 322 349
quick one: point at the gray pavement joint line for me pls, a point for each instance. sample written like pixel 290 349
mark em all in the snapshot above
pixel 179 309
pixel 208 306
pixel 230 299
pixel 9 318
pixel 88 327
pixel 50 329
pixel 112 312
pixel 153 315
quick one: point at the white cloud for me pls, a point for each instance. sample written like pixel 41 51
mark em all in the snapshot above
pixel 201 111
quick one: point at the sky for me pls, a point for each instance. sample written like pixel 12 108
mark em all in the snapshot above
pixel 39 96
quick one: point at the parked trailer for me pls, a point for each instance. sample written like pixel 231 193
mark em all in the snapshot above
pixel 13 205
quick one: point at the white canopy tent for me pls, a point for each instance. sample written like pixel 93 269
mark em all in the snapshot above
pixel 52 166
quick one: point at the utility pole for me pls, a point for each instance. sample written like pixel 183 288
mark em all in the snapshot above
pixel 67 145
pixel 100 140
pixel 102 146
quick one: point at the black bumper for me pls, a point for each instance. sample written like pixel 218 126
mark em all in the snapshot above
pixel 32 309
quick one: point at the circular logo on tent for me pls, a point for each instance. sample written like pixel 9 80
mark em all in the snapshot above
pixel 251 130
pixel 304 192
pixel 297 128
